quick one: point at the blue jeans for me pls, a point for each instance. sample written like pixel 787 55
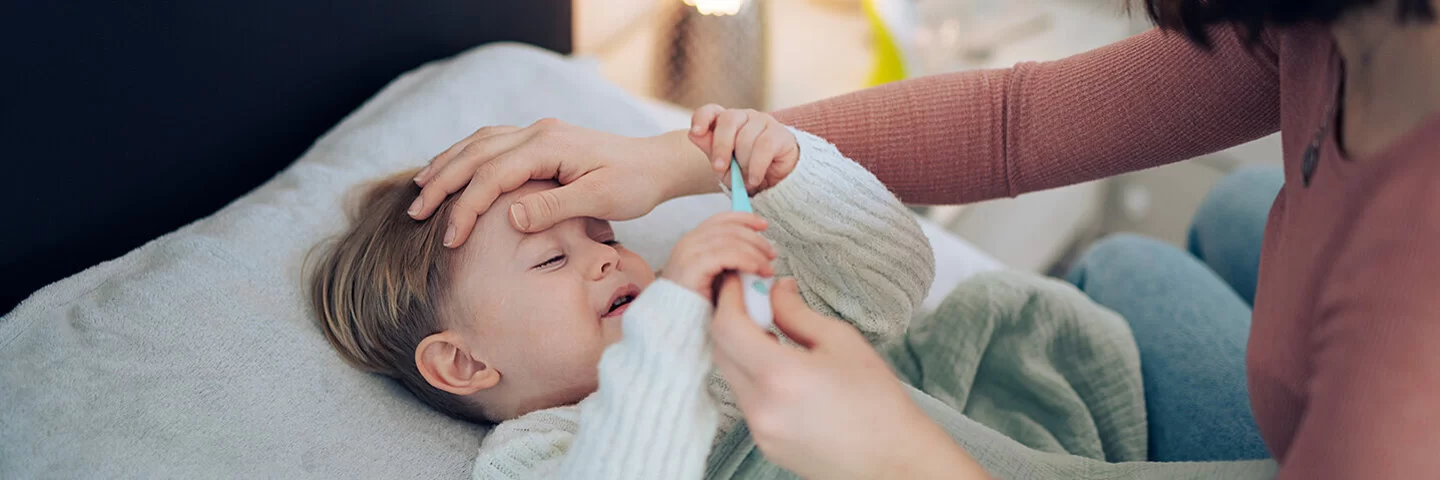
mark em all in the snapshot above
pixel 1190 312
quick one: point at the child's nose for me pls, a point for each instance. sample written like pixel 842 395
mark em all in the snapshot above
pixel 607 260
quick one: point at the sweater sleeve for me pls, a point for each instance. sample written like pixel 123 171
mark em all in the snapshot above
pixel 856 252
pixel 651 416
pixel 1142 102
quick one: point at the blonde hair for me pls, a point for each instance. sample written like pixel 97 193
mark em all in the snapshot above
pixel 379 288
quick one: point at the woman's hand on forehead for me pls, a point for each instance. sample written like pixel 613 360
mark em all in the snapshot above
pixel 602 175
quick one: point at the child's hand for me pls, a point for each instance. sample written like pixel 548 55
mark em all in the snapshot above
pixel 767 151
pixel 726 241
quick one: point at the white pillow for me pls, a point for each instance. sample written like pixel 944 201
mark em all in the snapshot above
pixel 196 354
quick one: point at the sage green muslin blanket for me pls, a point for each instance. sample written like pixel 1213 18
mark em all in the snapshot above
pixel 1032 378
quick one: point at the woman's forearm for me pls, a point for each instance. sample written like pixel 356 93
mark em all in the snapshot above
pixel 692 174
pixel 967 136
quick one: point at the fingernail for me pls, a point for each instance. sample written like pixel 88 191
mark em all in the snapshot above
pixel 696 128
pixel 415 206
pixel 519 217
pixel 449 235
pixel 421 175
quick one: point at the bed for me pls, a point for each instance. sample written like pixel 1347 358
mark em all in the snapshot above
pixel 167 218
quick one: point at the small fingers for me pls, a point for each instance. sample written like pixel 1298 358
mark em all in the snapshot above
pixel 756 241
pixel 739 229
pixel 704 118
pixel 759 164
pixel 746 257
pixel 701 124
pixel 746 136
pixel 732 251
pixel 745 219
pixel 722 146
pixel 744 145
pixel 767 146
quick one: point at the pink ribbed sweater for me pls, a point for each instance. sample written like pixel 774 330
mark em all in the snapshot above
pixel 1344 353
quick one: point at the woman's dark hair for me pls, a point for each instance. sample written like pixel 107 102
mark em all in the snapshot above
pixel 1191 17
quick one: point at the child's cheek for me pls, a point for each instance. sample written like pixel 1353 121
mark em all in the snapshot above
pixel 638 270
pixel 611 332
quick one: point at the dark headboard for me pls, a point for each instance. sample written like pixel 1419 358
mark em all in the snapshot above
pixel 121 121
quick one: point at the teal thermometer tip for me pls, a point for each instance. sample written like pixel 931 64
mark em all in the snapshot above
pixel 757 288
pixel 739 199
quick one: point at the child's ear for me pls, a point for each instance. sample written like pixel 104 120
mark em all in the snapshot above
pixel 448 364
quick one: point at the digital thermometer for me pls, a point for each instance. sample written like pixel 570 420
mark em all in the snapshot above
pixel 757 288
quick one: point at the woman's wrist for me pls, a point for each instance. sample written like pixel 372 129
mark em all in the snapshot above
pixel 950 462
pixel 931 453
pixel 690 172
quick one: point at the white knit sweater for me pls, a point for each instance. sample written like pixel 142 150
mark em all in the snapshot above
pixel 857 255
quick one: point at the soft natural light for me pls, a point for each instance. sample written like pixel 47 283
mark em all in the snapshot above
pixel 716 7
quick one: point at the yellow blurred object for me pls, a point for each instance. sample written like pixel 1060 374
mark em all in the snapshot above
pixel 887 29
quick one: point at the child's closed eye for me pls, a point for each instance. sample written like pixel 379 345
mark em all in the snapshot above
pixel 552 261
pixel 558 259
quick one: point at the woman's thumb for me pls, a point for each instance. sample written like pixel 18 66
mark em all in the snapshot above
pixel 541 210
pixel 794 317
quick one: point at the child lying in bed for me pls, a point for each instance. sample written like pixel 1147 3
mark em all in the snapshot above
pixel 591 365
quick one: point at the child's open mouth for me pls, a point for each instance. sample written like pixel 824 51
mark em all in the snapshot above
pixel 620 301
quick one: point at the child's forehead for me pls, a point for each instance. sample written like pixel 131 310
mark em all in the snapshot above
pixel 494 224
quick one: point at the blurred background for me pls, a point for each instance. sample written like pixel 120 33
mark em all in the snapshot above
pixel 771 54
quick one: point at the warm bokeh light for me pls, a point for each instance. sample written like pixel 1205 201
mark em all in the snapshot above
pixel 717 7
